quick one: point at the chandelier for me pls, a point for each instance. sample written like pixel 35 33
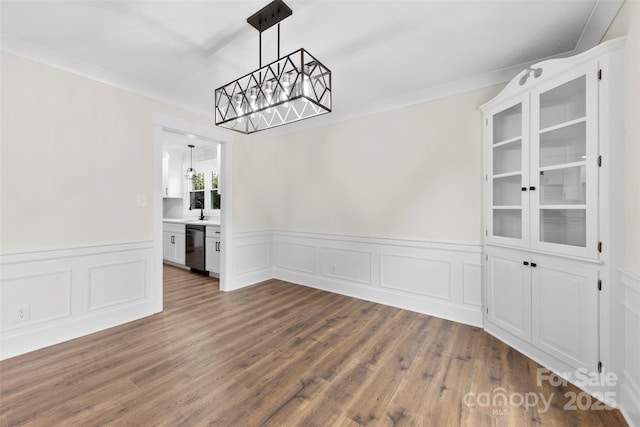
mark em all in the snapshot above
pixel 294 87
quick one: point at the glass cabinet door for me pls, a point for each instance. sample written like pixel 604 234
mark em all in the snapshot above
pixel 564 181
pixel 507 173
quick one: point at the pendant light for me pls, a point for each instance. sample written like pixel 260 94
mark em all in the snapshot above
pixel 191 172
pixel 294 87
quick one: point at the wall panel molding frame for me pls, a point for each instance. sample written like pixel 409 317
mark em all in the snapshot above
pixel 53 296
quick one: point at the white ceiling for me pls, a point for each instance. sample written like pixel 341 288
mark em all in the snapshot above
pixel 382 54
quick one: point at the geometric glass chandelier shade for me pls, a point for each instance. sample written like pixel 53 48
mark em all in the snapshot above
pixel 294 87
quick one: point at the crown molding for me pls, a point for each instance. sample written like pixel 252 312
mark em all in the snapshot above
pixel 602 15
pixel 57 60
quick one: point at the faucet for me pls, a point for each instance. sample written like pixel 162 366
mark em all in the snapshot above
pixel 201 209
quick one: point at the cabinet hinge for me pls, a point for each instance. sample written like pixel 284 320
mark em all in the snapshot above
pixel 600 247
pixel 599 367
pixel 600 74
pixel 599 284
pixel 600 161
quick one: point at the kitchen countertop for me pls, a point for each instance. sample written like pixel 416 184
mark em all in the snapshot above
pixel 215 221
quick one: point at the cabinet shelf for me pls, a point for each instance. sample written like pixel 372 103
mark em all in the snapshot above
pixel 507 141
pixel 563 166
pixel 507 207
pixel 563 125
pixel 563 207
pixel 507 175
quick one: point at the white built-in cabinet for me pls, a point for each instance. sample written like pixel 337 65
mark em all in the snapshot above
pixel 542 170
pixel 174 243
pixel 552 143
pixel 172 178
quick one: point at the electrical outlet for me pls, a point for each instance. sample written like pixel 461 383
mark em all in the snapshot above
pixel 23 313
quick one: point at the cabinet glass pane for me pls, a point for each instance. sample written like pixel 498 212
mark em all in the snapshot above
pixel 507 223
pixel 563 103
pixel 565 186
pixel 564 145
pixel 507 124
pixel 507 158
pixel 564 226
pixel 507 191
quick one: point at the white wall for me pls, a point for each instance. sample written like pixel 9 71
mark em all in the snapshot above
pixel 253 184
pixel 410 173
pixel 627 304
pixel 75 155
pixel 75 248
pixel 627 23
pixel 386 207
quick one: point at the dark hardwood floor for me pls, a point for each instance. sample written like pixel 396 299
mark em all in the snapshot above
pixel 283 355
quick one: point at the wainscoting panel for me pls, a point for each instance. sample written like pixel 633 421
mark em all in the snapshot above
pixel 346 264
pixel 435 278
pixel 44 296
pixel 295 256
pixel 424 276
pixel 54 296
pixel 116 283
pixel 472 283
pixel 630 385
pixel 251 259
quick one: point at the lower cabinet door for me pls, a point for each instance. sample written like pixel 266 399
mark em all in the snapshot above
pixel 509 292
pixel 168 247
pixel 212 254
pixel 180 247
pixel 565 299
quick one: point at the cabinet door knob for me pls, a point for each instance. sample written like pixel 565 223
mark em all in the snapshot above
pixel 532 188
pixel 524 188
pixel 533 264
pixel 173 240
pixel 525 262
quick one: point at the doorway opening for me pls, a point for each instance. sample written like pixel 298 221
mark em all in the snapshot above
pixel 175 196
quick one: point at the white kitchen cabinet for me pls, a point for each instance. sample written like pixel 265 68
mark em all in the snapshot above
pixel 172 179
pixel 213 249
pixel 553 155
pixel 174 243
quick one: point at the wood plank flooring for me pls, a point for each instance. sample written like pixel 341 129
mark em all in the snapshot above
pixel 280 354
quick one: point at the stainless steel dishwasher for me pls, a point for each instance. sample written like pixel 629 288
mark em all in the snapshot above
pixel 195 255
